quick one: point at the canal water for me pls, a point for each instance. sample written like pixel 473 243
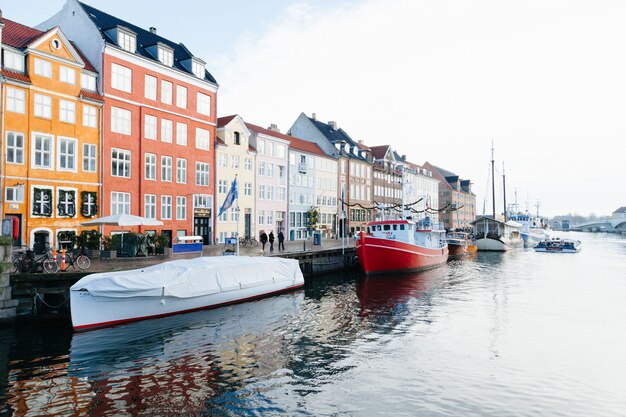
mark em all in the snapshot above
pixel 514 334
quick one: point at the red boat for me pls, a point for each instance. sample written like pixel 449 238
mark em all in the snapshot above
pixel 401 246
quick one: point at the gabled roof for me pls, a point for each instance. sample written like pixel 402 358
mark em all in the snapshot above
pixel 444 172
pixel 17 35
pixel 306 146
pixel 620 210
pixel 261 130
pixel 223 121
pixel 145 39
pixel 379 152
pixel 333 135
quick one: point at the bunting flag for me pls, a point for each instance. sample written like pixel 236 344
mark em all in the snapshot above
pixel 230 197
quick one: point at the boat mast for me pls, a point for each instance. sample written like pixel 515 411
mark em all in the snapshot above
pixel 504 191
pixel 493 183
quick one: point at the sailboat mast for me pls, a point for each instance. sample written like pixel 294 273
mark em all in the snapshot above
pixel 504 190
pixel 493 183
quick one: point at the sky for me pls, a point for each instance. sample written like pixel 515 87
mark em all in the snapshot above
pixel 439 81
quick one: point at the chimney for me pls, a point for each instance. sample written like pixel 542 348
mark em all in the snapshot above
pixel 274 128
pixel 153 30
pixel 314 116
pixel 333 125
pixel 404 157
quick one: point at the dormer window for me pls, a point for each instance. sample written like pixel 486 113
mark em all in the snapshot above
pixel 13 61
pixel 88 82
pixel 166 56
pixel 127 41
pixel 237 139
pixel 198 69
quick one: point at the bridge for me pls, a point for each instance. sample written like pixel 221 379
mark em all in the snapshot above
pixel 611 226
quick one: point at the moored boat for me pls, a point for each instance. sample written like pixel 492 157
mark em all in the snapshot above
pixel 111 298
pixel 391 246
pixel 558 245
pixel 494 235
pixel 460 244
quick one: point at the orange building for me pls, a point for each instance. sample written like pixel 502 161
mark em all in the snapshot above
pixel 50 135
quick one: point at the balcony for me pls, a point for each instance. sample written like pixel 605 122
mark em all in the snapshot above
pixel 302 167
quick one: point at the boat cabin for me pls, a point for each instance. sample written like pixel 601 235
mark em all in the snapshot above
pixel 488 227
pixel 421 233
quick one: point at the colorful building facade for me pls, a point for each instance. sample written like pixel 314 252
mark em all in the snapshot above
pixel 51 144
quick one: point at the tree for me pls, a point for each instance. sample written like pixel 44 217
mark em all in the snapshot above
pixel 313 218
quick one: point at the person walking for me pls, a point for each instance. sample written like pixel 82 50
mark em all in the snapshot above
pixel 263 239
pixel 271 241
pixel 281 240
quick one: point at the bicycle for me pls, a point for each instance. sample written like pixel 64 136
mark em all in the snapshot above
pixel 76 258
pixel 27 262
pixel 243 241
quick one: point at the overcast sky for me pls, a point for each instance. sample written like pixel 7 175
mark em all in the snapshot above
pixel 438 80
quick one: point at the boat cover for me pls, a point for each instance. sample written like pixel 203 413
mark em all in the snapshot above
pixel 187 278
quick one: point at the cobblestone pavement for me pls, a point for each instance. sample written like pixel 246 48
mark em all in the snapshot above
pixel 118 264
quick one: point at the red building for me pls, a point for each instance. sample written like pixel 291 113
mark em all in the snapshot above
pixel 158 122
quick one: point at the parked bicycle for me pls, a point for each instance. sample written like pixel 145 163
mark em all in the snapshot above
pixel 243 241
pixel 29 262
pixel 77 258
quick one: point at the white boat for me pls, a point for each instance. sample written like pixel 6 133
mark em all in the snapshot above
pixel 532 231
pixel 494 235
pixel 111 298
pixel 558 245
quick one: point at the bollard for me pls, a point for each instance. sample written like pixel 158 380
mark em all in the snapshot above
pixel 63 260
pixel 304 245
pixel 54 255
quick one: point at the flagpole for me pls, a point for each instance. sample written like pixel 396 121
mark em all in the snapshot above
pixel 237 210
pixel 343 217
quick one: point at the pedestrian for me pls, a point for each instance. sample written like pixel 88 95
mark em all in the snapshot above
pixel 271 241
pixel 263 239
pixel 281 240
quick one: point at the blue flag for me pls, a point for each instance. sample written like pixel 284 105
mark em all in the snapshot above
pixel 230 197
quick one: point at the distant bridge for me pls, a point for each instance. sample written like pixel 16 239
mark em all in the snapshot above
pixel 616 225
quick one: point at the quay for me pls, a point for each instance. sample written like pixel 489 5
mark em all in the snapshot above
pixel 41 296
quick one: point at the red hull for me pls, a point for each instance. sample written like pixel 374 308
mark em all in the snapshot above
pixel 383 255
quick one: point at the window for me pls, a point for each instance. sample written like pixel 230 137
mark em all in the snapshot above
pixel 66 206
pixel 120 203
pixel 90 116
pixel 89 157
pixel 88 82
pixel 223 160
pixel 166 207
pixel 234 161
pixel 248 164
pixel 270 192
pixel 42 201
pixel 204 104
pixel 282 174
pixel 67 111
pixel 15 147
pixel 221 186
pixel 66 157
pixel 269 149
pixel 261 216
pixel 43 68
pixel 280 151
pixel 150 127
pixel 150 87
pixel 120 163
pixel 166 130
pixel 282 193
pixel 261 195
pixel 181 134
pixel 292 159
pixel 181 208
pixel 149 206
pixel 121 78
pixel 247 188
pixel 198 70
pixel 202 174
pixel 166 168
pixel 150 166
pixel 16 100
pixel 166 92
pixel 181 171
pixel 270 170
pixel 270 217
pixel 14 194
pixel 15 61
pixel 126 41
pixel 262 169
pixel 166 56
pixel 120 120
pixel 43 106
pixel 181 97
pixel 42 151
pixel 203 139
pixel 67 75
pixel 237 139
pixel 260 146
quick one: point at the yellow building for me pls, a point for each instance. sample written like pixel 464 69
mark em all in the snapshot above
pixel 234 156
pixel 51 125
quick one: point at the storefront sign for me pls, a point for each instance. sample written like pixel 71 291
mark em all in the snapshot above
pixel 202 212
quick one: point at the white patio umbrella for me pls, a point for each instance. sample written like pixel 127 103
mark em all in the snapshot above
pixel 123 220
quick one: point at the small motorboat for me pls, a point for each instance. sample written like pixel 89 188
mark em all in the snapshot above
pixel 460 244
pixel 112 298
pixel 558 245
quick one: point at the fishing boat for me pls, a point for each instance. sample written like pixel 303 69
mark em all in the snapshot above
pixel 112 298
pixel 392 246
pixel 460 244
pixel 496 235
pixel 557 245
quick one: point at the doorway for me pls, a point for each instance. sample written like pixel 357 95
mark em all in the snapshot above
pixel 41 238
pixel 248 225
pixel 201 228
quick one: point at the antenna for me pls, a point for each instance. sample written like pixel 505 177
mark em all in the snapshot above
pixel 493 182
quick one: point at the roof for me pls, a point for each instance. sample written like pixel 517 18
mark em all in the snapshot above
pixel 17 35
pixel 306 146
pixel 445 172
pixel 145 39
pixel 91 95
pixel 19 76
pixel 620 210
pixel 379 152
pixel 223 121
pixel 259 129
pixel 88 65
pixel 331 134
